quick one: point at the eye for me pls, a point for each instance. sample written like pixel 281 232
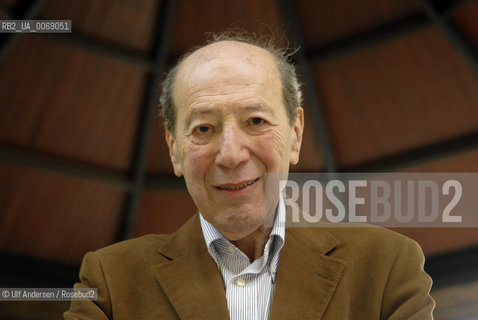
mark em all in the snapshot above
pixel 257 121
pixel 202 134
pixel 203 129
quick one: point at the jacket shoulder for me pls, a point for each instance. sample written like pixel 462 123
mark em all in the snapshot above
pixel 140 249
pixel 367 232
pixel 362 239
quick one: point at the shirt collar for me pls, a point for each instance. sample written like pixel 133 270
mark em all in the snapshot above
pixel 212 234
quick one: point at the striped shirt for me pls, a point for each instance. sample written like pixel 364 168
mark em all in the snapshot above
pixel 249 286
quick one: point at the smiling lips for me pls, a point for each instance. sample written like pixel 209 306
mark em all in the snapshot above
pixel 233 187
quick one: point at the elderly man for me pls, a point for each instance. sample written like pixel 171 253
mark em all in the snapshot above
pixel 232 111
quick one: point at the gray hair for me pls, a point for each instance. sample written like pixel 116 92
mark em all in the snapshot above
pixel 291 86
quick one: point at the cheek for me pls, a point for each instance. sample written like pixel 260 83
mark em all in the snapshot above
pixel 271 148
pixel 279 141
pixel 197 159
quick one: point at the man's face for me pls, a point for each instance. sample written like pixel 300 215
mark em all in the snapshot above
pixel 232 128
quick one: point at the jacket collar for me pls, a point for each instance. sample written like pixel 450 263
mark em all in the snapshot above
pixel 190 277
pixel 306 279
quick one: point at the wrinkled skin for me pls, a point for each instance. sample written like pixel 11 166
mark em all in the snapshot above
pixel 232 128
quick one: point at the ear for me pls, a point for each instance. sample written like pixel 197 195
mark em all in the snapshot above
pixel 296 142
pixel 173 153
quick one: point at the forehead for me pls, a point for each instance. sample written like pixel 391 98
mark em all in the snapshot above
pixel 228 53
pixel 227 68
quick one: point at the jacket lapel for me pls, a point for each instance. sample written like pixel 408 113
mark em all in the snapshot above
pixel 189 276
pixel 305 283
pixel 307 277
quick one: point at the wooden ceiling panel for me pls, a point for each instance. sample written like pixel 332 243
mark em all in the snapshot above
pixel 54 216
pixel 158 157
pixel 195 18
pixel 69 103
pixel 466 19
pixel 464 162
pixel 8 4
pixel 163 211
pixel 325 21
pixel 442 240
pixel 125 22
pixel 397 96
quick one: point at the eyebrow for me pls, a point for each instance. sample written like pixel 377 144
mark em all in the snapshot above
pixel 256 107
pixel 200 112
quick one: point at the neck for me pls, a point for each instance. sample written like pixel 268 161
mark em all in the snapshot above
pixel 253 245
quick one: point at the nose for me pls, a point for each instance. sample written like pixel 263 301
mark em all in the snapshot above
pixel 232 150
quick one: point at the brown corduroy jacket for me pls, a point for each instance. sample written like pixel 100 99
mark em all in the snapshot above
pixel 324 273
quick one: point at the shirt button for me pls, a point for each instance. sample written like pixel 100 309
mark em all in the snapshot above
pixel 241 282
pixel 231 249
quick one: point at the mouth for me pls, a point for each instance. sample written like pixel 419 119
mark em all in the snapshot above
pixel 236 186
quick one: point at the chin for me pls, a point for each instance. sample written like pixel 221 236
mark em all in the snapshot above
pixel 241 223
